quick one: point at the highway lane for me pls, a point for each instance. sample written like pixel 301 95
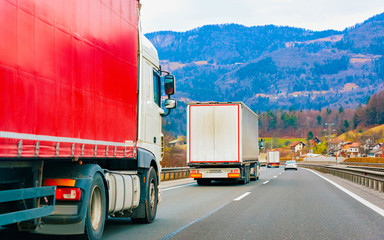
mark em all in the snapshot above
pixel 294 205
pixel 182 206
pixel 280 205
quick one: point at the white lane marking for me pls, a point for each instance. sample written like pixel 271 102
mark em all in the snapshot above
pixel 195 221
pixel 279 173
pixel 275 177
pixel 180 186
pixel 242 196
pixel 360 199
pixel 266 182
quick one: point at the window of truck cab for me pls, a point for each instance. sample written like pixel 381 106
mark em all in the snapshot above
pixel 156 88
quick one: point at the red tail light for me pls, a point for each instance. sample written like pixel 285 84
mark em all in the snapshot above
pixel 68 194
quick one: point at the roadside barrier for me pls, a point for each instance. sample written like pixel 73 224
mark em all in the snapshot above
pixel 174 173
pixel 369 178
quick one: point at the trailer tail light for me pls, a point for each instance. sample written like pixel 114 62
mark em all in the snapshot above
pixel 68 194
pixel 233 175
pixel 59 182
pixel 195 175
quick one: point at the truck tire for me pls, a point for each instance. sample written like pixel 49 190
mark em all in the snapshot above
pixel 243 181
pixel 96 210
pixel 247 176
pixel 151 198
pixel 203 182
pixel 254 177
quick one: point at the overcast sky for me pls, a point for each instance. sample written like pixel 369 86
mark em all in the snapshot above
pixel 182 15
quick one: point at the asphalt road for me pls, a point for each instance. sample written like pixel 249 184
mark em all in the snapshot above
pixel 292 205
pixel 280 205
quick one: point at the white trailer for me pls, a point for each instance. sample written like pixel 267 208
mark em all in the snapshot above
pixel 223 142
pixel 273 159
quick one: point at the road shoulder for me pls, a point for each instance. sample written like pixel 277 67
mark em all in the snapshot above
pixel 368 194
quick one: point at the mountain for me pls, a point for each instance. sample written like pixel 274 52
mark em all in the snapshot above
pixel 275 67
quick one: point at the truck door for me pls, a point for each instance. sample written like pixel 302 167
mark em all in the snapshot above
pixel 149 136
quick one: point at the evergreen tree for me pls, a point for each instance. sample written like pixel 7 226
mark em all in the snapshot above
pixel 346 124
pixel 310 135
pixel 319 120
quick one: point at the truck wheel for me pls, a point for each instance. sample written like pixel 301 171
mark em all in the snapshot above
pixel 203 182
pixel 96 210
pixel 243 181
pixel 151 199
pixel 246 177
pixel 255 177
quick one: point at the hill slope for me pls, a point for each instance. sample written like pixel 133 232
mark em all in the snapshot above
pixel 271 67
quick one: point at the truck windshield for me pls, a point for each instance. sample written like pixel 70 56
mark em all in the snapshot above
pixel 156 88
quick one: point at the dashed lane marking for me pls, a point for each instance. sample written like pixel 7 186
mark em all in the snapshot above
pixel 242 196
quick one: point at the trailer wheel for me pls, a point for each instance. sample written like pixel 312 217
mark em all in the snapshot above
pixel 96 210
pixel 151 199
pixel 255 173
pixel 247 175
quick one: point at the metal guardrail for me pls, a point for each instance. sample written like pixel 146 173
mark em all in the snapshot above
pixel 367 178
pixel 174 173
pixel 361 163
pixel 377 169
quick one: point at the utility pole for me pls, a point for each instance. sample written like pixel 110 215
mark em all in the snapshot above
pixel 329 131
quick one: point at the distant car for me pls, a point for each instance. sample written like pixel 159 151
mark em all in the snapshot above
pixel 290 165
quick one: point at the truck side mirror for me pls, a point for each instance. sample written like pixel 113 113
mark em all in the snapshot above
pixel 261 144
pixel 170 103
pixel 169 84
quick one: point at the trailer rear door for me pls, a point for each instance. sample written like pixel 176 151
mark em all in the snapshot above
pixel 214 133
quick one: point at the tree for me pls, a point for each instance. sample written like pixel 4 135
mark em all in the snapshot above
pixel 310 135
pixel 346 125
pixel 319 120
pixel 341 109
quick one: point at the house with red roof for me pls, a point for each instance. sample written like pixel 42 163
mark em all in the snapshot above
pixel 296 147
pixel 354 149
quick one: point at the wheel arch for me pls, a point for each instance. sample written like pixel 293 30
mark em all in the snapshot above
pixel 84 175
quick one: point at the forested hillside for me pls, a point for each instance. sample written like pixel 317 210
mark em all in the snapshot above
pixel 272 68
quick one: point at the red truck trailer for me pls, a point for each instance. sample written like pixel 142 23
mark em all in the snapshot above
pixel 80 116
